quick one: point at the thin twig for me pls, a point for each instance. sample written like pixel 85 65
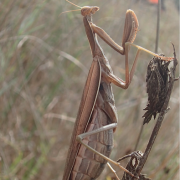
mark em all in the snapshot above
pixel 139 136
pixel 157 27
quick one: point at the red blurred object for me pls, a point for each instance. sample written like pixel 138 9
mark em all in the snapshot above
pixel 153 1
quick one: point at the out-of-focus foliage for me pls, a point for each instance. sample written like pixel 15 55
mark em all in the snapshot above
pixel 44 61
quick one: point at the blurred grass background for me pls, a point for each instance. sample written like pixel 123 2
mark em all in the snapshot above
pixel 44 61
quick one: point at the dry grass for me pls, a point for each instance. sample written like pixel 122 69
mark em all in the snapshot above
pixel 44 63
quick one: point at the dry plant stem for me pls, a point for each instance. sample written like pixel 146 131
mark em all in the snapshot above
pixel 139 137
pixel 157 27
pixel 160 117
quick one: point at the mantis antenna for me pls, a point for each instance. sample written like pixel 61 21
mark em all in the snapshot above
pixel 72 10
pixel 73 3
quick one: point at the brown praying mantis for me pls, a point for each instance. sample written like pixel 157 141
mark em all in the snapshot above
pixel 92 137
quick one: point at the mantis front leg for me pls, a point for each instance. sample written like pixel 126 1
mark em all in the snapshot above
pixel 129 35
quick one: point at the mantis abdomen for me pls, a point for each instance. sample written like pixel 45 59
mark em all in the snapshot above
pixel 89 165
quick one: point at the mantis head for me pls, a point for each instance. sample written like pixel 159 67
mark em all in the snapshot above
pixel 86 10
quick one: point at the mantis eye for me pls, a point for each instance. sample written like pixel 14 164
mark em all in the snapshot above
pixel 94 9
pixel 85 10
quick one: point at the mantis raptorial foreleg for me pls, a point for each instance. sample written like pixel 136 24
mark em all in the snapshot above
pixel 124 50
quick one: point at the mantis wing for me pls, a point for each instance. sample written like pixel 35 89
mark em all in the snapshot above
pixel 85 110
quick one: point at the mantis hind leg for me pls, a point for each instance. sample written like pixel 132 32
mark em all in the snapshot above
pixel 104 128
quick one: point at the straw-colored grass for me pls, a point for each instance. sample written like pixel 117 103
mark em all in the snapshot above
pixel 44 61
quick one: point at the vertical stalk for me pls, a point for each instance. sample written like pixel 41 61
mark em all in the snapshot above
pixel 158 23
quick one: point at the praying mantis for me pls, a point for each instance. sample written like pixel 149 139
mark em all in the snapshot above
pixel 92 137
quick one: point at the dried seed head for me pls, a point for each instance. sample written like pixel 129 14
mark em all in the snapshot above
pixel 157 86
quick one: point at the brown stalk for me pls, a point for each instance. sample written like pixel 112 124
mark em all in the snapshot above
pixel 160 117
